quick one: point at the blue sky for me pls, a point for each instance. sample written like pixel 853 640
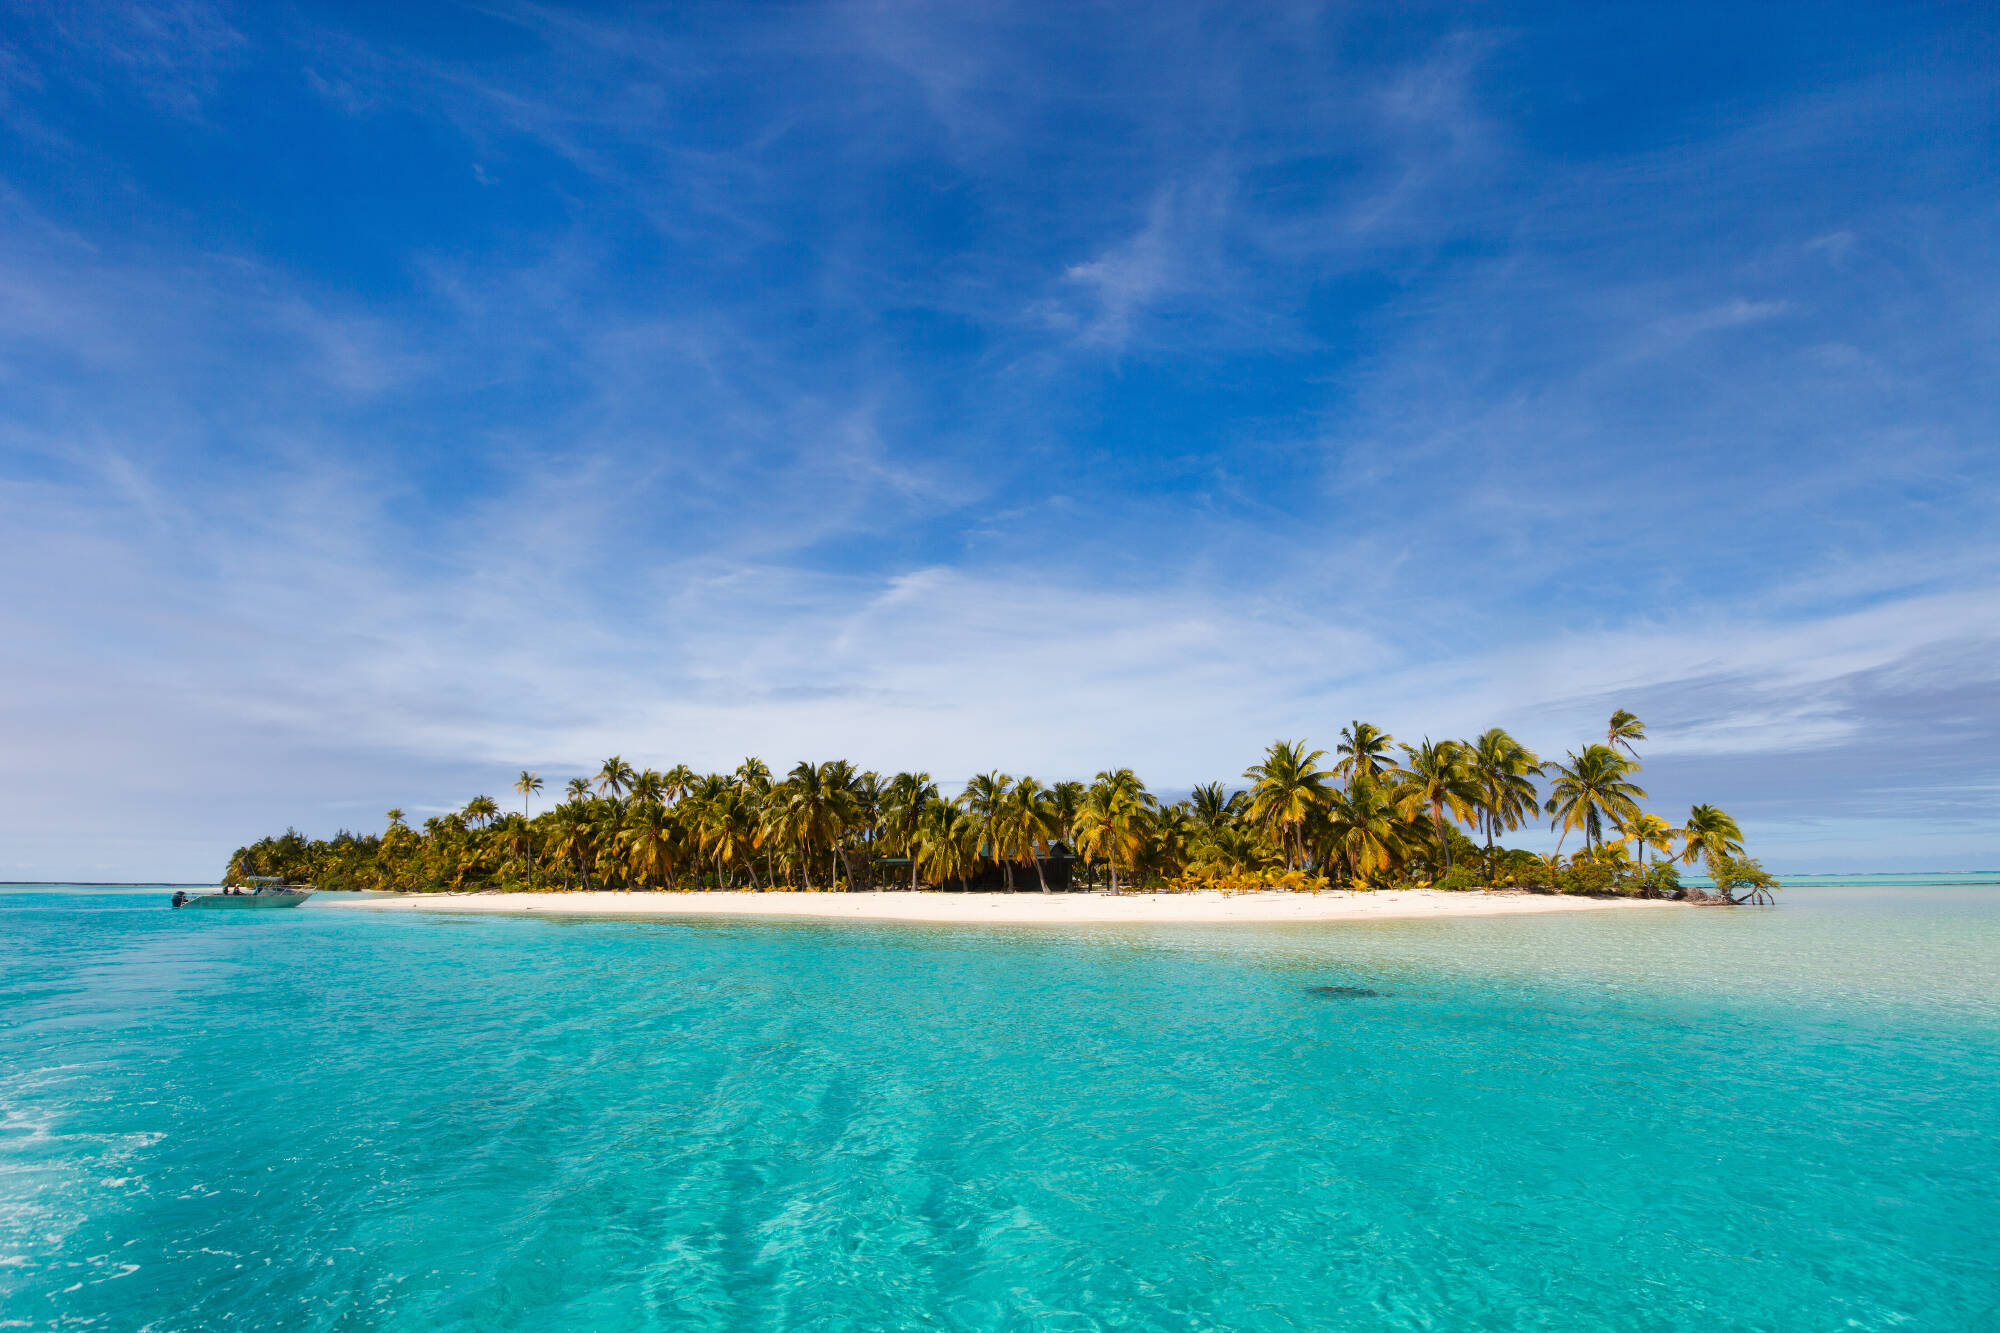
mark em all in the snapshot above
pixel 395 396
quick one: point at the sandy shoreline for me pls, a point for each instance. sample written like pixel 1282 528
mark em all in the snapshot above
pixel 1004 908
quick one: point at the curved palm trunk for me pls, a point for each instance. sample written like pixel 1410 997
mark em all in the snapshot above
pixel 1437 822
pixel 1039 873
pixel 847 861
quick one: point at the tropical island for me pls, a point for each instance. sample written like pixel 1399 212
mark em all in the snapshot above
pixel 1380 816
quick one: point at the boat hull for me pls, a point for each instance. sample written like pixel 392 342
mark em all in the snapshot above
pixel 244 902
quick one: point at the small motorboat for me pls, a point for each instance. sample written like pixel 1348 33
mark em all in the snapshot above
pixel 255 891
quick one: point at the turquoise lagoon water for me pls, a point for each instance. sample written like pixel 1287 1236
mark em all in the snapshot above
pixel 332 1118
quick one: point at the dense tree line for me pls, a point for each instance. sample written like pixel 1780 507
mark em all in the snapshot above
pixel 1378 815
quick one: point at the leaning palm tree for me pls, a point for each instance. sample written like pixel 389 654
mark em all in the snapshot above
pixel 1590 789
pixel 984 798
pixel 1710 834
pixel 1113 818
pixel 1440 780
pixel 1364 752
pixel 1625 728
pixel 1286 788
pixel 1646 830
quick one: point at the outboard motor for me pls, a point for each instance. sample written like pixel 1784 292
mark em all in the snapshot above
pixel 180 897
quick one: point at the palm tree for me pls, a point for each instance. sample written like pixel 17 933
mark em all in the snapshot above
pixel 571 837
pixel 1504 770
pixel 649 837
pixel 482 808
pixel 1711 835
pixel 1027 823
pixel 1214 811
pixel 1647 830
pixel 1441 781
pixel 984 797
pixel 904 801
pixel 1113 817
pixel 1625 728
pixel 615 776
pixel 1285 790
pixel 844 812
pixel 727 829
pixel 528 785
pixel 1589 789
pixel 947 844
pixel 395 817
pixel 577 789
pixel 1365 827
pixel 1065 799
pixel 1363 752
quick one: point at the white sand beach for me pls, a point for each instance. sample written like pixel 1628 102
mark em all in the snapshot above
pixel 1028 909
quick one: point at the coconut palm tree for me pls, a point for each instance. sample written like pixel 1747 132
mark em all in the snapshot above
pixel 1590 789
pixel 1213 809
pixel 615 776
pixel 1027 823
pixel 1113 818
pixel 1365 828
pixel 1286 788
pixel 903 804
pixel 1711 835
pixel 649 837
pixel 577 789
pixel 395 817
pixel 947 844
pixel 727 832
pixel 984 798
pixel 482 808
pixel 528 785
pixel 1504 771
pixel 571 837
pixel 843 787
pixel 1065 799
pixel 1439 780
pixel 1364 752
pixel 1624 730
pixel 1646 830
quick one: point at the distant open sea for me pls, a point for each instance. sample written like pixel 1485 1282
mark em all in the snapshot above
pixel 1678 1119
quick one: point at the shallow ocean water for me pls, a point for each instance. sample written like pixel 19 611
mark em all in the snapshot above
pixel 1674 1119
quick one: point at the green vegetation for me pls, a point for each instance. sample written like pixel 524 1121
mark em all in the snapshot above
pixel 1372 820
